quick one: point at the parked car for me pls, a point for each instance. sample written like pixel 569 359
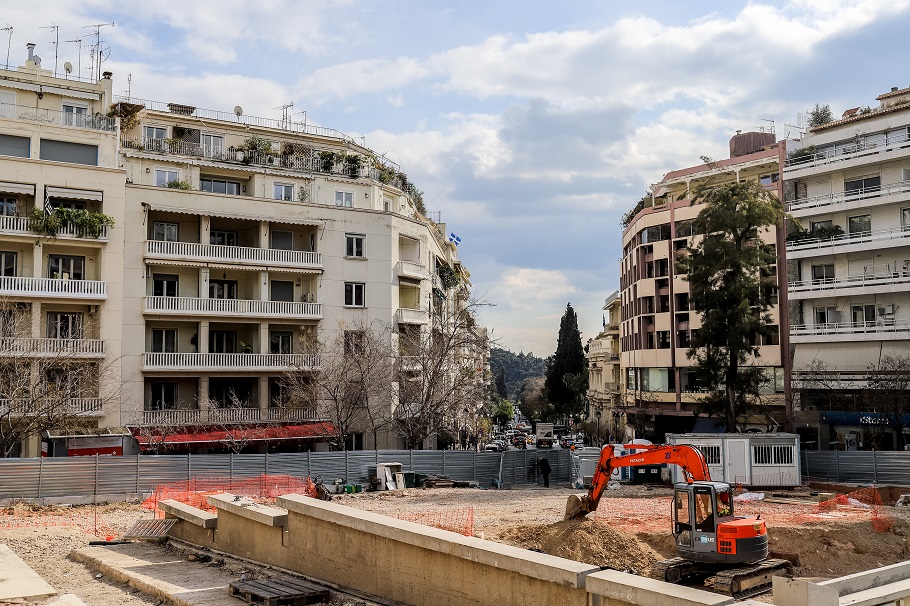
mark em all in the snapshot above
pixel 496 446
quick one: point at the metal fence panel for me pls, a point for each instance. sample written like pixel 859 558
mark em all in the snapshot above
pixel 20 478
pixel 209 466
pixel 61 477
pixel 162 469
pixel 116 475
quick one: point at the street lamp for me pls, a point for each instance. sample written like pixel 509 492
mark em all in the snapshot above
pixel 597 413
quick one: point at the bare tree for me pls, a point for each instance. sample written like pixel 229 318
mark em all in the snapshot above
pixel 48 384
pixel 440 370
pixel 888 394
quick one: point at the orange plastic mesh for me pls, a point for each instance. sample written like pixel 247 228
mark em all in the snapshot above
pixel 456 520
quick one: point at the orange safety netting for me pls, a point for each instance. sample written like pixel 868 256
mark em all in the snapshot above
pixel 82 518
pixel 654 514
pixel 455 520
pixel 264 488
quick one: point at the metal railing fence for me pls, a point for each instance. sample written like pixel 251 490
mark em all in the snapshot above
pixel 857 467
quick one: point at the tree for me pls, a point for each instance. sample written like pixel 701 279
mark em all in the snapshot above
pixel 516 368
pixel 505 412
pixel 351 387
pixel 727 272
pixel 532 396
pixel 569 359
pixel 820 114
pixel 501 384
pixel 441 371
pixel 888 393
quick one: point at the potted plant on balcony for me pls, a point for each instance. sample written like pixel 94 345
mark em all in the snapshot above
pixel 352 164
pixel 85 223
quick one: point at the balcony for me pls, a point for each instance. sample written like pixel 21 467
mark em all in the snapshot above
pixel 412 316
pixel 88 407
pixel 887 330
pixel 234 255
pixel 409 269
pixel 228 362
pixel 96 121
pixel 14 286
pixel 861 198
pixel 233 307
pixel 213 416
pixel 842 155
pixel 845 243
pixel 848 286
pixel 51 348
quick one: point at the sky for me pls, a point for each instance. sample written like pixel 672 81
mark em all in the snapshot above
pixel 530 125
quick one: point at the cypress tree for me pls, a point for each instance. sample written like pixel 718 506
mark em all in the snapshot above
pixel 564 391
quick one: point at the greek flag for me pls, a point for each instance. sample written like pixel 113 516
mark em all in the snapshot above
pixel 48 207
pixel 454 239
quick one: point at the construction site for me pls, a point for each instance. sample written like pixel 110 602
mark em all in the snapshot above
pixel 203 541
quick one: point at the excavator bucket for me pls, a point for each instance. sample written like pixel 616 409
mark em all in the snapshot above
pixel 578 506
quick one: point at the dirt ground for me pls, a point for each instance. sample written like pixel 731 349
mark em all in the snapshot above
pixel 527 517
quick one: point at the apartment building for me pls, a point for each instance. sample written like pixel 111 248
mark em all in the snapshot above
pixel 657 321
pixel 848 184
pixel 191 258
pixel 61 252
pixel 605 400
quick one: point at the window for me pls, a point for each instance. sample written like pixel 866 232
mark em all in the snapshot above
pixel 153 133
pixel 704 510
pixel 822 273
pixel 863 315
pixel 70 204
pixel 219 186
pixel 354 245
pixel 66 151
pixel 222 289
pixel 163 396
pixel 826 315
pixel 344 198
pixel 866 185
pixel 164 232
pixel 164 340
pixel 64 325
pixel 8 207
pixel 11 145
pixel 62 267
pixel 281 240
pixel 60 383
pixel 223 238
pixel 7 264
pixel 353 294
pixel 164 285
pixel 354 342
pixel 7 322
pixel 861 224
pixel 772 454
pixel 74 115
pixel 712 454
pixel 905 218
pixel 282 291
pixel 816 225
pixel 163 176
pixel 212 145
pixel 280 342
pixel 768 181
pixel 283 192
pixel 222 341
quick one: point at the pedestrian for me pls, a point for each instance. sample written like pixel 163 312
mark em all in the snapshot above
pixel 543 464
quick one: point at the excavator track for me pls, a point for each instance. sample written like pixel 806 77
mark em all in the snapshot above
pixel 739 583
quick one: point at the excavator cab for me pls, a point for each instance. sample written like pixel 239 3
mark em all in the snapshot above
pixel 705 529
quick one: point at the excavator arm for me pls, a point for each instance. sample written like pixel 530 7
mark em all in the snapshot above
pixel 689 458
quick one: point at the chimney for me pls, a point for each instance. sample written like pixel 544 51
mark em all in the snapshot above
pixel 33 59
pixel 893 89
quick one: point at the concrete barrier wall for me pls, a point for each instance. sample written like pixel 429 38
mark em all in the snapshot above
pixel 411 563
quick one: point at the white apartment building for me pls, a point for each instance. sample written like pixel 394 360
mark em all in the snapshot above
pixel 236 243
pixel 605 402
pixel 848 183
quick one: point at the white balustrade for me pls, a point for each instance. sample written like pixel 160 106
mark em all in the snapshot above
pixel 49 347
pixel 52 287
pixel 192 305
pixel 232 254
pixel 232 415
pixel 413 316
pixel 238 361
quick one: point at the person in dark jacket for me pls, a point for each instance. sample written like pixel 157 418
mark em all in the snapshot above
pixel 543 464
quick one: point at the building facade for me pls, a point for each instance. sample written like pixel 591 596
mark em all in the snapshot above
pixel 661 391
pixel 848 184
pixel 606 404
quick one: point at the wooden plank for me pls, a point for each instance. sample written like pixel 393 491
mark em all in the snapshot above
pixel 281 591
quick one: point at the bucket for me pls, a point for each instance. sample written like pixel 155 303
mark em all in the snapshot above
pixel 349 488
pixel 358 488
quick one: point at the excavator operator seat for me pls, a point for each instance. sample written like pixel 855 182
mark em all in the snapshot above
pixel 698 509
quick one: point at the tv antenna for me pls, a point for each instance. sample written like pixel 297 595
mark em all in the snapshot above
pixel 769 128
pixel 56 43
pixel 304 118
pixel 8 28
pixel 285 114
pixel 100 49
pixel 78 59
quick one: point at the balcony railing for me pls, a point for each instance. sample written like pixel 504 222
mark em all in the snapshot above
pixel 880 236
pixel 73 406
pixel 827 284
pixel 23 225
pixel 240 307
pixel 850 151
pixel 881 191
pixel 15 347
pixel 409 269
pixel 232 254
pixel 49 116
pixel 849 328
pixel 209 416
pixel 229 361
pixel 52 287
pixel 412 316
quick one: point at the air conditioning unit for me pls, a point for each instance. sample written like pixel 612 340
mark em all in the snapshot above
pixel 886 310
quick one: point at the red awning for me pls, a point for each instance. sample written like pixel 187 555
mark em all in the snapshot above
pixel 242 434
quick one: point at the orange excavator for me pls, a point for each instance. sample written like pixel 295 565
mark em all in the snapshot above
pixel 728 552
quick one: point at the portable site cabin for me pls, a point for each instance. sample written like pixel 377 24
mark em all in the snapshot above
pixel 750 459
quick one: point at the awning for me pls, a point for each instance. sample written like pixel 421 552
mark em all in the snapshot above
pixel 229 215
pixel 241 434
pixel 43 88
pixel 17 188
pixel 89 433
pixel 73 194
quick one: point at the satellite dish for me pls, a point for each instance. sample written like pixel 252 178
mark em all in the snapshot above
pixel 68 67
pixel 238 111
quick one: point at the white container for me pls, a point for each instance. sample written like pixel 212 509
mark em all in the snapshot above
pixel 750 459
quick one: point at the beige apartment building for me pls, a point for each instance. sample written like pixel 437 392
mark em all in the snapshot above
pixel 848 183
pixel 605 379
pixel 236 243
pixel 661 391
